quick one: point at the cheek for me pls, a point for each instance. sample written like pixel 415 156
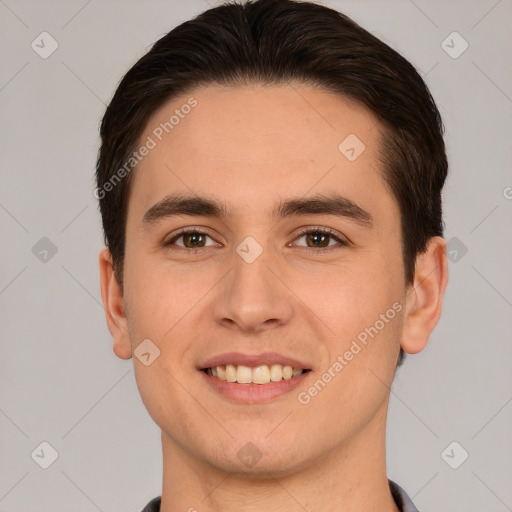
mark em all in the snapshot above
pixel 160 296
pixel 163 312
pixel 362 354
pixel 351 296
pixel 166 395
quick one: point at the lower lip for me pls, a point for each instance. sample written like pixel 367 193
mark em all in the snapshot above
pixel 254 393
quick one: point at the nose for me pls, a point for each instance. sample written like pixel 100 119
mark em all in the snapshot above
pixel 252 298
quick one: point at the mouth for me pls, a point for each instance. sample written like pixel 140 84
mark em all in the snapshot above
pixel 261 374
pixel 253 378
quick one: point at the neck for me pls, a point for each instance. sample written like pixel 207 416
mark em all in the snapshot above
pixel 349 478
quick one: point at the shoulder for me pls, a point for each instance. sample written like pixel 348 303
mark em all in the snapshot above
pixel 153 505
pixel 402 500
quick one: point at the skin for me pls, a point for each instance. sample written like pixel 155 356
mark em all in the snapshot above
pixel 252 147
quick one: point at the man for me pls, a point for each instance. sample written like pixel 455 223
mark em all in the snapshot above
pixel 270 183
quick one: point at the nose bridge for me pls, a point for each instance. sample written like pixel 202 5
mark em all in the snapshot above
pixel 253 298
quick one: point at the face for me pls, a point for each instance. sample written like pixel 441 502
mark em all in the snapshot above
pixel 291 257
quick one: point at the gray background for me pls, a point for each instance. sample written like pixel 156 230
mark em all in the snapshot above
pixel 61 382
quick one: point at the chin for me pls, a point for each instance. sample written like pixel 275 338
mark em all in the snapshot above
pixel 261 462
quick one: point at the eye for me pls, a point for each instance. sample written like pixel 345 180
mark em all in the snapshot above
pixel 320 238
pixel 190 238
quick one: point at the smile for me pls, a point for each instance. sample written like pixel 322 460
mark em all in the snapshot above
pixel 261 374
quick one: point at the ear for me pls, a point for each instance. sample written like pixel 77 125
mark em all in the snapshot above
pixel 425 297
pixel 113 304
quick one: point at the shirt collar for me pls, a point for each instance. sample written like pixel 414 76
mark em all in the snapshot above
pixel 402 500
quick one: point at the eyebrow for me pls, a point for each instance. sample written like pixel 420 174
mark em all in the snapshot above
pixel 327 204
pixel 173 205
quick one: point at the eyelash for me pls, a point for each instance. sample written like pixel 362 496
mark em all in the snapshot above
pixel 305 231
pixel 323 231
pixel 187 231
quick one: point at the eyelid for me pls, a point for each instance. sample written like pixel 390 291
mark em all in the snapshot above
pixel 171 239
pixel 341 239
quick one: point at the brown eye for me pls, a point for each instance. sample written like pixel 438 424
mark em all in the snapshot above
pixel 191 240
pixel 317 239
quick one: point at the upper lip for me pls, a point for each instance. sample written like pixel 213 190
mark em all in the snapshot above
pixel 253 360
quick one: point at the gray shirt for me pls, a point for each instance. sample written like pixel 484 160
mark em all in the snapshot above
pixel 403 502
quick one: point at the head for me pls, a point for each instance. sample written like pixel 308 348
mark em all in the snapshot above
pixel 259 119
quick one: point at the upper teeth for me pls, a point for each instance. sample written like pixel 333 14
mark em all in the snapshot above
pixel 259 375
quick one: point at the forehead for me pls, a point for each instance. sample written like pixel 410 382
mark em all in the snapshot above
pixel 257 143
pixel 289 121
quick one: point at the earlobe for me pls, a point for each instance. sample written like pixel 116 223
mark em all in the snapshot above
pixel 113 304
pixel 425 297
